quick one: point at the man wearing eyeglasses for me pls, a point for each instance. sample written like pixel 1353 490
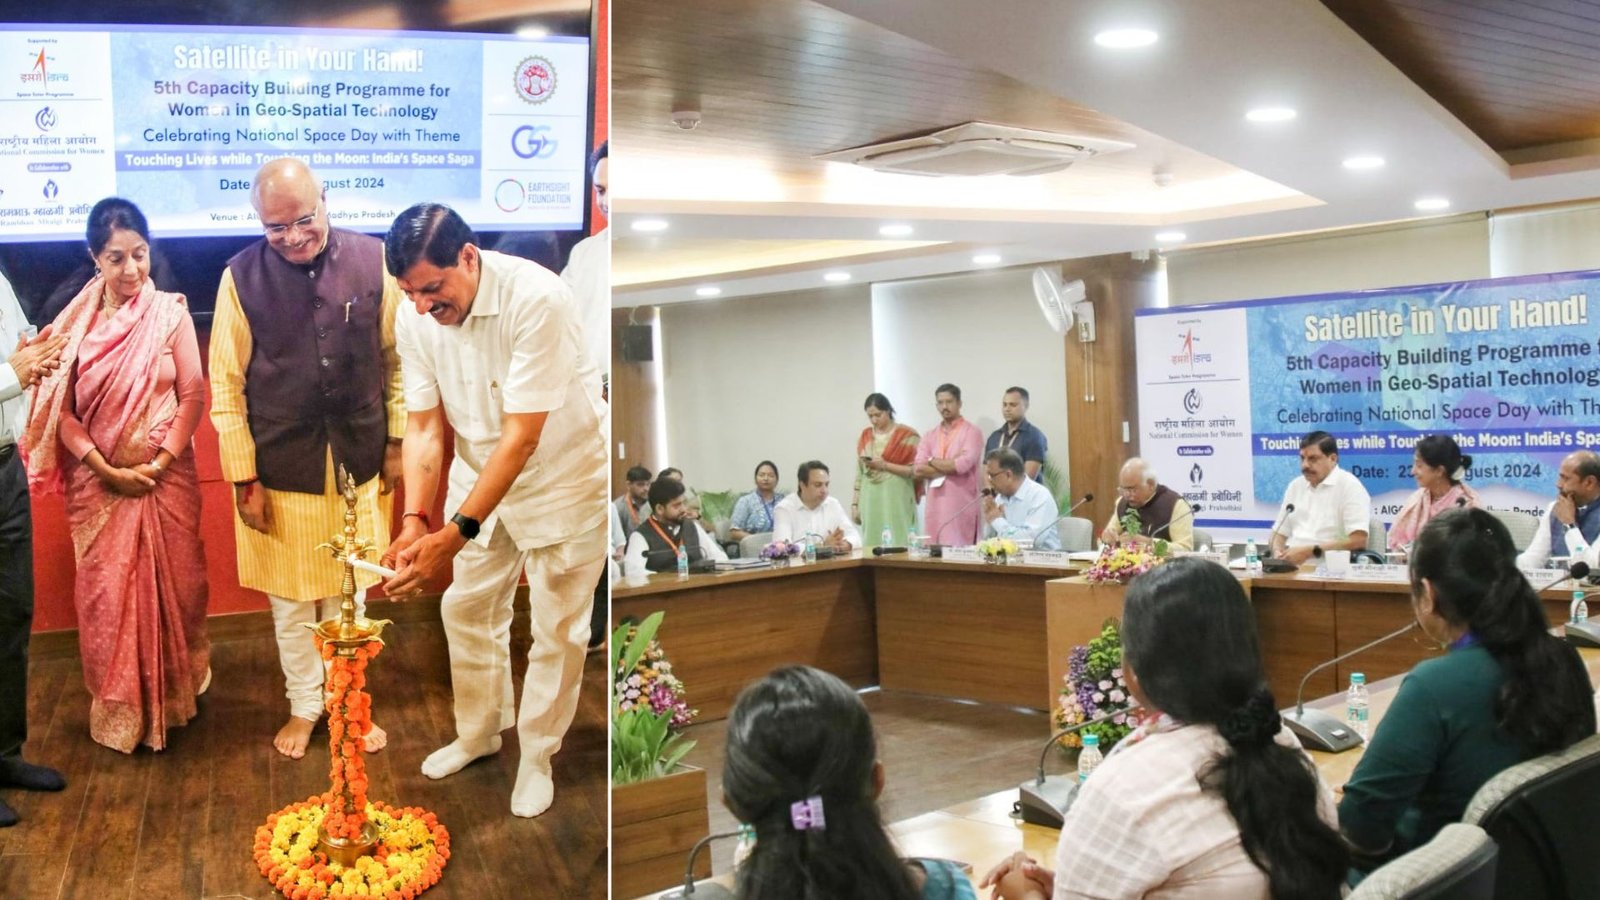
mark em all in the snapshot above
pixel 305 380
pixel 1159 510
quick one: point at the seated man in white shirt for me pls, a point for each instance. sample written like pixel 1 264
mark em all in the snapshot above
pixel 1571 524
pixel 1019 508
pixel 1332 509
pixel 809 511
pixel 653 547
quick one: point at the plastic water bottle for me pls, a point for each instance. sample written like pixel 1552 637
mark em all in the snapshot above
pixel 887 538
pixel 745 847
pixel 1355 704
pixel 1252 557
pixel 1089 757
pixel 811 550
pixel 683 560
pixel 1580 609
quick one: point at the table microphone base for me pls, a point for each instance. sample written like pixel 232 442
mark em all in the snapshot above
pixel 1583 634
pixel 703 890
pixel 1319 731
pixel 1046 804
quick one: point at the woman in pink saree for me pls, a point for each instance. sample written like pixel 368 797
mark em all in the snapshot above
pixel 114 427
pixel 1438 466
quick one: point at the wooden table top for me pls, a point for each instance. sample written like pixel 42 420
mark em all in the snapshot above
pixel 669 582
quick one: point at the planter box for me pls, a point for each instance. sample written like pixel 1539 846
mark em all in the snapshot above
pixel 654 825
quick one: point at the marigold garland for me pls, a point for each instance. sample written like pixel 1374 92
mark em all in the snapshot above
pixel 412 847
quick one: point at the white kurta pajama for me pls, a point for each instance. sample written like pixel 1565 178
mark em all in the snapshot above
pixel 519 350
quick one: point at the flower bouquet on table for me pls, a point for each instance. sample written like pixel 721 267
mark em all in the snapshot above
pixel 997 550
pixel 779 553
pixel 1121 561
pixel 1093 687
pixel 648 709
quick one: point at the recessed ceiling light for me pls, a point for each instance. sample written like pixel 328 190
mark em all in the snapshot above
pixel 1363 163
pixel 650 225
pixel 1170 237
pixel 1432 204
pixel 1271 114
pixel 709 290
pixel 533 32
pixel 1126 38
pixel 986 259
pixel 895 230
pixel 836 276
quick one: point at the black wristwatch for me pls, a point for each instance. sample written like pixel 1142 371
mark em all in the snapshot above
pixel 468 525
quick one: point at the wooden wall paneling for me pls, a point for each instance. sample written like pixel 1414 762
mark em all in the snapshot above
pixel 1297 631
pixel 1368 614
pixel 1075 610
pixel 1102 387
pixel 635 387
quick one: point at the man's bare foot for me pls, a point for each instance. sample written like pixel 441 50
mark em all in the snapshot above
pixel 377 739
pixel 293 737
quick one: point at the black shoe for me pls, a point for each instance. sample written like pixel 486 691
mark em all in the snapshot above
pixel 29 777
pixel 8 816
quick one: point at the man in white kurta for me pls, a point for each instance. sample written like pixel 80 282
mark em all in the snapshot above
pixel 810 512
pixel 494 348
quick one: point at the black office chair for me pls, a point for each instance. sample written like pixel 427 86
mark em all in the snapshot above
pixel 1458 864
pixel 1543 815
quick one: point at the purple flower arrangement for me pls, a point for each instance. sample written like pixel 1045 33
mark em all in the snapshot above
pixel 651 685
pixel 1094 686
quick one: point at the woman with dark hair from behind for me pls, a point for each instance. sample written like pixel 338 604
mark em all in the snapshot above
pixel 1210 797
pixel 802 768
pixel 1508 690
pixel 1438 466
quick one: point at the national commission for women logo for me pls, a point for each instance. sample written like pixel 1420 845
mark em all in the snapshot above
pixel 536 79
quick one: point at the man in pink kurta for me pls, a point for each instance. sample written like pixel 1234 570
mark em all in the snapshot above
pixel 950 460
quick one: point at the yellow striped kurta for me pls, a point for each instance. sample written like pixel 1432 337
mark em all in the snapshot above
pixel 285 561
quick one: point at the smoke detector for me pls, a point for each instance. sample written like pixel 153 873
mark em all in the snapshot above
pixel 978 148
pixel 686 119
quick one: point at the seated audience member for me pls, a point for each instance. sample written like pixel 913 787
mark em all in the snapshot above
pixel 801 768
pixel 1572 523
pixel 691 500
pixel 1438 467
pixel 753 514
pixel 1507 690
pixel 1210 797
pixel 1017 433
pixel 1162 512
pixel 653 547
pixel 1331 507
pixel 634 505
pixel 810 512
pixel 1021 508
pixel 619 534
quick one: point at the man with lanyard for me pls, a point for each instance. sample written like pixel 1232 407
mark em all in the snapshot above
pixel 948 457
pixel 653 547
pixel 1571 524
pixel 633 507
pixel 23 364
pixel 1018 433
pixel 495 350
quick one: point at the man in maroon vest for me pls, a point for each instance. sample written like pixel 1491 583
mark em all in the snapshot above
pixel 1159 511
pixel 305 380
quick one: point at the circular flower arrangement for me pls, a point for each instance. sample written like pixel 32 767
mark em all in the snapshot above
pixel 411 846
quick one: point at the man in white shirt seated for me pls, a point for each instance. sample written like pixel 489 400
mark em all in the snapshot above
pixel 1572 522
pixel 1020 508
pixel 1332 510
pixel 809 511
pixel 653 547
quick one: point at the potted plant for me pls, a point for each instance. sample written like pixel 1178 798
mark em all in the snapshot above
pixel 658 805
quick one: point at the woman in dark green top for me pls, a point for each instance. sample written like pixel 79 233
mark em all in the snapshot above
pixel 1507 690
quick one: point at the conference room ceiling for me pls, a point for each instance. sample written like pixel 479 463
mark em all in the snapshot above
pixel 778 81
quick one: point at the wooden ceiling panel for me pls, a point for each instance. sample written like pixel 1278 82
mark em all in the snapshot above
pixel 1518 73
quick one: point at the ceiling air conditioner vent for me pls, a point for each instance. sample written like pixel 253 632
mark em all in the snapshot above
pixel 978 148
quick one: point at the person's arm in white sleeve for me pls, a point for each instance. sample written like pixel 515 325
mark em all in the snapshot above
pixel 713 550
pixel 1538 552
pixel 633 559
pixel 1356 513
pixel 782 524
pixel 852 534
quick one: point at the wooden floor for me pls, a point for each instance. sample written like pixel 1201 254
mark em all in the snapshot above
pixel 935 753
pixel 181 823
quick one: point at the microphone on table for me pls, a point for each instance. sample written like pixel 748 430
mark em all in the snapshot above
pixel 1579 634
pixel 1043 800
pixel 1065 516
pixel 884 551
pixel 1318 730
pixel 936 549
pixel 708 889
pixel 1268 562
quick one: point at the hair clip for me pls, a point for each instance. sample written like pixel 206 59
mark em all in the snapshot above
pixel 807 815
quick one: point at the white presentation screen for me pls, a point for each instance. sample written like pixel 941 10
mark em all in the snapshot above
pixel 178 119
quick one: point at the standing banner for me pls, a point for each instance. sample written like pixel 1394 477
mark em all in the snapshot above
pixel 1508 367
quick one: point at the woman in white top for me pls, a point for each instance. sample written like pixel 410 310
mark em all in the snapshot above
pixel 1209 798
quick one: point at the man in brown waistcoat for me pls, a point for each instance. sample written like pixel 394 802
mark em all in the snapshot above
pixel 1160 511
pixel 304 379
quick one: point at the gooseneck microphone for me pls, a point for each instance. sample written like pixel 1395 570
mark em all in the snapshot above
pixel 706 890
pixel 1062 518
pixel 1043 800
pixel 1282 565
pixel 1187 515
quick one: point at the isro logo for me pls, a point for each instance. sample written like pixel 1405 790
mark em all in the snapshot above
pixel 39 71
pixel 1187 355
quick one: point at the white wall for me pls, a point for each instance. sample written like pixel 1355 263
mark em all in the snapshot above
pixel 981 332
pixel 1455 249
pixel 1549 240
pixel 780 377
